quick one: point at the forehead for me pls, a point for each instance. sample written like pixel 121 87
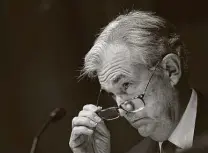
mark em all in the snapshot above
pixel 116 65
pixel 115 51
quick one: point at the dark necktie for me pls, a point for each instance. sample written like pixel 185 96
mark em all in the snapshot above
pixel 168 147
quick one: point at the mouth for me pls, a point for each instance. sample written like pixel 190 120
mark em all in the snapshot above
pixel 141 121
pixel 138 119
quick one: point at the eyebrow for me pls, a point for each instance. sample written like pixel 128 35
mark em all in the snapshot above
pixel 114 81
pixel 118 78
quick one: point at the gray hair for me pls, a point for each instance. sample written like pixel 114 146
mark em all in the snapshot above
pixel 147 36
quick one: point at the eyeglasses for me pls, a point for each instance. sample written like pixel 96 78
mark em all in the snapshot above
pixel 136 104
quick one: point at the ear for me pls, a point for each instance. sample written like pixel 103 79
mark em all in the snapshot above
pixel 172 66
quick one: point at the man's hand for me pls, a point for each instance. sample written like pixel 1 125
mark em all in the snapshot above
pixel 89 133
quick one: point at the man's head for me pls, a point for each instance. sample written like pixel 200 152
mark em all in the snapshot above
pixel 124 57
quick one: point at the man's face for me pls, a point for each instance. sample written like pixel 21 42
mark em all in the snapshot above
pixel 125 81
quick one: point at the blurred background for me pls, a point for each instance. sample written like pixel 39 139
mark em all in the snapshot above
pixel 42 49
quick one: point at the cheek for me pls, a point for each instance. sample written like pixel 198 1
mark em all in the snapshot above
pixel 156 110
pixel 158 103
pixel 131 90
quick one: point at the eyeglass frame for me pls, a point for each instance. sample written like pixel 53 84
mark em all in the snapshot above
pixel 140 96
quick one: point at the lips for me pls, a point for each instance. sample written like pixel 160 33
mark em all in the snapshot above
pixel 139 122
pixel 135 120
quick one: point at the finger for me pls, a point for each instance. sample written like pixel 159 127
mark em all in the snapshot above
pixel 79 135
pixel 83 121
pixel 91 115
pixel 91 107
pixel 80 130
pixel 100 139
pixel 77 142
pixel 102 129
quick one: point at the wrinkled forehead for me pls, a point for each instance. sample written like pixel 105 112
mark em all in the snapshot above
pixel 116 65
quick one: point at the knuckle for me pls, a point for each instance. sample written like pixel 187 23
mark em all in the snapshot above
pixel 75 130
pixel 85 106
pixel 84 120
pixel 71 143
pixel 80 121
pixel 85 113
pixel 81 113
pixel 89 107
pixel 79 129
pixel 74 120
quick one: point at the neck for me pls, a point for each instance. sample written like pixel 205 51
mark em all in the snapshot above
pixel 183 95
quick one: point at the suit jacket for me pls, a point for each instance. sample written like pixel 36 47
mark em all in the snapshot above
pixel 147 145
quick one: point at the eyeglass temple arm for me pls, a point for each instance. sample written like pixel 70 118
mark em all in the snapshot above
pixel 97 102
pixel 151 77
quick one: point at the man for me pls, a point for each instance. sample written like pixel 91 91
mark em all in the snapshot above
pixel 141 61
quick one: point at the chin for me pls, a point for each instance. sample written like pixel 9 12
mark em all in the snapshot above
pixel 146 130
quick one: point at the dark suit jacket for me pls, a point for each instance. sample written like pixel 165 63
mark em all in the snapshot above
pixel 147 145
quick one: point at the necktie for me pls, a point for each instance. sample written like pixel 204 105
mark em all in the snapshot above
pixel 168 147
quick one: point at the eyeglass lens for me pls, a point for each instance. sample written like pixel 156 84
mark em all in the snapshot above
pixel 111 112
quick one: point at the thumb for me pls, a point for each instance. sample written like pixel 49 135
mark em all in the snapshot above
pixel 102 129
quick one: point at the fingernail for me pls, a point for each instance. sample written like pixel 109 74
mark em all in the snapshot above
pixel 97 119
pixel 90 131
pixel 93 123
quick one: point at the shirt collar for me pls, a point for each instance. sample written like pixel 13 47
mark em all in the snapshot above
pixel 183 134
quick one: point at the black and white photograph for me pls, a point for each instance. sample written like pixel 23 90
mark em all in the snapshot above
pixel 105 76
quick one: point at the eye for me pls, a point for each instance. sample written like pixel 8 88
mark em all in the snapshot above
pixel 126 85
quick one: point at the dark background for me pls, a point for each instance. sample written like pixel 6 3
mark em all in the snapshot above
pixel 42 49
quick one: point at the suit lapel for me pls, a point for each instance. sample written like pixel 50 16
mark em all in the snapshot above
pixel 147 145
pixel 201 125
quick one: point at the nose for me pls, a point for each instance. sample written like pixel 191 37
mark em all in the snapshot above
pixel 122 112
pixel 119 100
